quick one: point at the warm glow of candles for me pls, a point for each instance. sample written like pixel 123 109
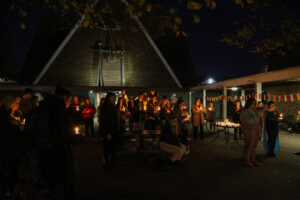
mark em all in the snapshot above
pixel 76 130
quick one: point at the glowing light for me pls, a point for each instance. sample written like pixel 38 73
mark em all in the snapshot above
pixel 234 89
pixel 91 91
pixel 76 130
pixel 210 81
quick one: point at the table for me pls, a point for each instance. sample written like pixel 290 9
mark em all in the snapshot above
pixel 144 140
pixel 226 131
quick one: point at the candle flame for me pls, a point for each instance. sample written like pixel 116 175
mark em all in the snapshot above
pixel 76 130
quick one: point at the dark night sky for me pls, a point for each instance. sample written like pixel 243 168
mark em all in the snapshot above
pixel 214 58
pixel 210 57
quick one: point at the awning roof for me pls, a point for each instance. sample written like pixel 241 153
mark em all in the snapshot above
pixel 287 74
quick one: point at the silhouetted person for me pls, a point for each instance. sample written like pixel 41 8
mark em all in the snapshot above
pixel 109 126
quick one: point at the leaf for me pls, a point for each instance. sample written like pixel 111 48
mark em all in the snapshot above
pixel 192 5
pixel 211 4
pixel 22 26
pixel 141 2
pixel 184 33
pixel 196 19
pixel 178 20
pixel 85 23
pixel 23 13
pixel 250 1
pixel 149 8
pixel 173 10
pixel 239 2
pixel 175 28
pixel 177 34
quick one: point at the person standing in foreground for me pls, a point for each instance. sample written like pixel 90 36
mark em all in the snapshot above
pixel 109 126
pixel 271 123
pixel 251 128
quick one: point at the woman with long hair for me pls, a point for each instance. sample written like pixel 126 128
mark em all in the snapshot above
pixel 252 132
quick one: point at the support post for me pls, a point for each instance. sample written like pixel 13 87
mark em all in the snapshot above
pixel 122 71
pixel 100 79
pixel 258 88
pixel 224 104
pixel 243 95
pixel 190 103
pixel 204 98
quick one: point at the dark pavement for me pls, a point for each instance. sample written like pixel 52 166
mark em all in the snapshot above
pixel 211 171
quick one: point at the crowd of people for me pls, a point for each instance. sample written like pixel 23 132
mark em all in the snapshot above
pixel 45 129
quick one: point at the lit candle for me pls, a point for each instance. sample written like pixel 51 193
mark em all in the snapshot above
pixel 76 130
pixel 281 115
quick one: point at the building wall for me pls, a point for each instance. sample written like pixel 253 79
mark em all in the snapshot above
pixel 77 64
pixel 287 108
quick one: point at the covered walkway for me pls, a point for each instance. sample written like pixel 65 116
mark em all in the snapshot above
pixel 254 83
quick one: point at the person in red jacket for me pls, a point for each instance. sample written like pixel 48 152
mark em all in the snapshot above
pixel 88 112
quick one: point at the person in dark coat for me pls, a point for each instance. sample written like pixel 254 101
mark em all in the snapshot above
pixel 272 127
pixel 109 124
pixel 74 109
pixel 88 111
pixel 11 128
pixel 237 110
pixel 139 110
pixel 53 136
pixel 152 113
pixel 165 110
pixel 130 105
pixel 211 116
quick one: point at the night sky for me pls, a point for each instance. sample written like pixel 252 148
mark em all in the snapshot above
pixel 211 58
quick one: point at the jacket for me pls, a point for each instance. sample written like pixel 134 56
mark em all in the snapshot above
pixel 88 111
pixel 198 114
pixel 109 122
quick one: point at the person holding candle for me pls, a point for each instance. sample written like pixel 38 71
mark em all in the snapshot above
pixel 139 110
pixel 198 111
pixel 271 129
pixel 11 132
pixel 124 96
pixel 252 132
pixel 211 115
pixel 152 113
pixel 74 110
pixel 88 112
pixel 236 118
pixel 165 111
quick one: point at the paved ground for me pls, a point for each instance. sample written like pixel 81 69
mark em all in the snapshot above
pixel 211 171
